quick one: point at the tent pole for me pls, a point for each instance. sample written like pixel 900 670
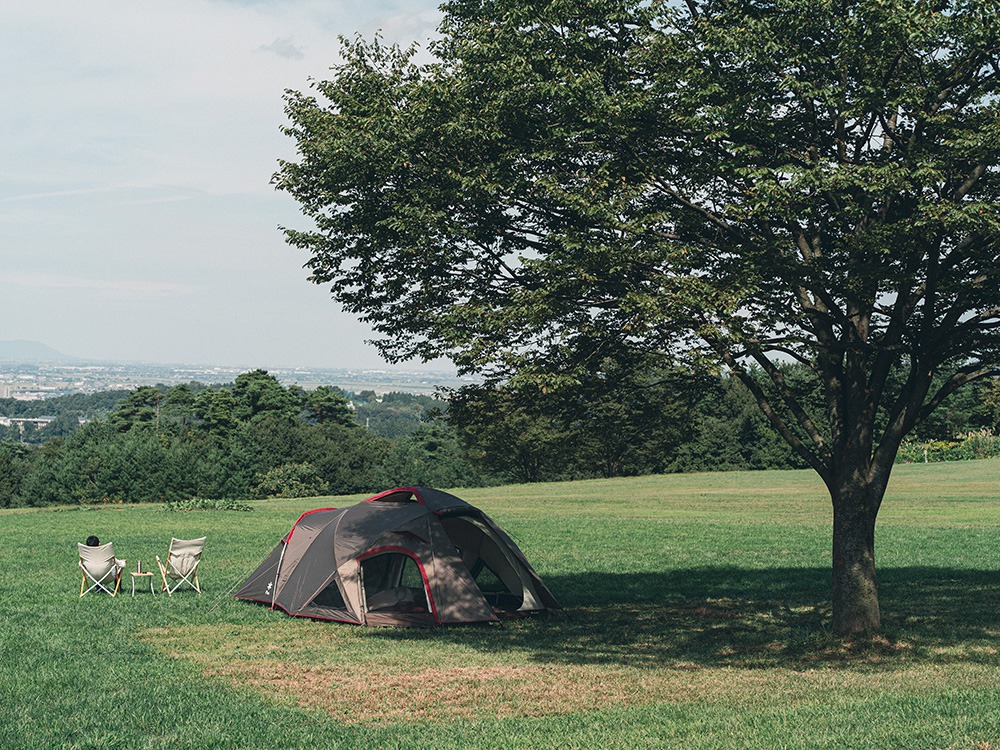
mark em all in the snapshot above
pixel 277 572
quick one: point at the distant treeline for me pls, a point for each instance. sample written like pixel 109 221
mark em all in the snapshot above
pixel 257 438
pixel 85 405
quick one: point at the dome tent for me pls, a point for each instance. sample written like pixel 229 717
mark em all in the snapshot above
pixel 409 556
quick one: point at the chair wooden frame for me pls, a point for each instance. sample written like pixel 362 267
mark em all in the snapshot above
pixel 98 564
pixel 179 547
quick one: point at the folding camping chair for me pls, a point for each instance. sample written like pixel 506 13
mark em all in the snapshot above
pixel 182 564
pixel 101 568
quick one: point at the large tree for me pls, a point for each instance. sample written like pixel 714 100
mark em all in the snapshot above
pixel 738 182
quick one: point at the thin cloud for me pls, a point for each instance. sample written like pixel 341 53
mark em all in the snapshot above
pixel 285 47
pixel 176 194
pixel 120 286
pixel 56 194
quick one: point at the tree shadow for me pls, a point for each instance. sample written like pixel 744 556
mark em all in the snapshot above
pixel 736 617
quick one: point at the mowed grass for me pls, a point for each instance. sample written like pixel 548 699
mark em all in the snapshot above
pixel 697 616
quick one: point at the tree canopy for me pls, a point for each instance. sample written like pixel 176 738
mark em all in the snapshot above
pixel 735 183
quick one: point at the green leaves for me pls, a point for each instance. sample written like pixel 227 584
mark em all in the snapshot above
pixel 755 179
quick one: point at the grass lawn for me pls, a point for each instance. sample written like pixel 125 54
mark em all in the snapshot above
pixel 697 615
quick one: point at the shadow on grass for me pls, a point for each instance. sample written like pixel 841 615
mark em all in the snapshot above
pixel 724 616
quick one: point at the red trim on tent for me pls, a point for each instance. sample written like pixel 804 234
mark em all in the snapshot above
pixel 420 566
pixel 412 490
pixel 288 536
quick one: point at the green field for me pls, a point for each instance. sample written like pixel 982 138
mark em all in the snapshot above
pixel 697 615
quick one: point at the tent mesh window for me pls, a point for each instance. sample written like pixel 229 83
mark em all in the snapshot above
pixel 393 583
pixel 487 579
pixel 497 576
pixel 495 591
pixel 330 597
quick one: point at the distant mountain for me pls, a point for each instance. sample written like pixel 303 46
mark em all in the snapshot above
pixel 30 352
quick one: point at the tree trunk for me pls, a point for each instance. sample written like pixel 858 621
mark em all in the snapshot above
pixel 855 592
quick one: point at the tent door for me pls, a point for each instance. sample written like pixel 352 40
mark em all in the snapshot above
pixel 393 581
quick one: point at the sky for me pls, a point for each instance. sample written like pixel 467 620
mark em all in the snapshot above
pixel 137 143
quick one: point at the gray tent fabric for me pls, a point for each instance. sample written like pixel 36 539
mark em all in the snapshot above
pixel 411 556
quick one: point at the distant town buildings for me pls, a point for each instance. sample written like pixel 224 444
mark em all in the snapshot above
pixel 33 382
pixel 20 422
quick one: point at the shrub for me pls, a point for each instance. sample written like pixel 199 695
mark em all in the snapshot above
pixel 201 503
pixel 975 445
pixel 290 480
